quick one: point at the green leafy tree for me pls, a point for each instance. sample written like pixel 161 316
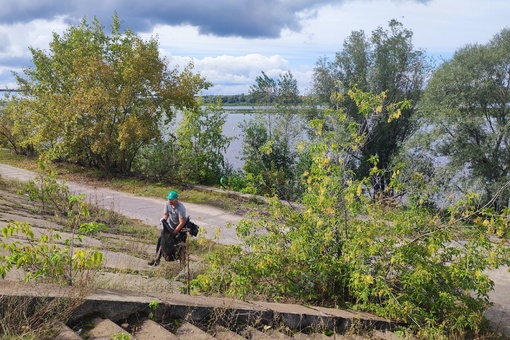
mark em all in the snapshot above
pixel 265 90
pixel 384 63
pixel 465 119
pixel 14 128
pixel 344 249
pixel 158 160
pixel 96 99
pixel 270 140
pixel 201 144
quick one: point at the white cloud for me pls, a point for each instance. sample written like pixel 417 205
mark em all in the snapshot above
pixel 232 63
pixel 234 72
pixel 37 33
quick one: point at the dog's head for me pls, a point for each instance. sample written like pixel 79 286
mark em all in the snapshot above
pixel 192 227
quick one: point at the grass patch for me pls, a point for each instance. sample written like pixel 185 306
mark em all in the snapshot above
pixel 24 162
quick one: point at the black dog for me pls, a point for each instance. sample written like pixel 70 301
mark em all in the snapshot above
pixel 173 246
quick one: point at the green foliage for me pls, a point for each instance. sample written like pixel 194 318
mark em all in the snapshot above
pixel 45 256
pixel 202 144
pixel 236 99
pixel 235 180
pixel 269 141
pixel 97 98
pixel 158 160
pixel 384 63
pixel 15 128
pixel 342 248
pixel 153 305
pixel 465 120
pixel 223 263
pixel 50 256
pixel 52 193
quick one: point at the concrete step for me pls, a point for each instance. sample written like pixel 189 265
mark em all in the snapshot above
pixel 65 333
pixel 151 330
pixel 187 331
pixel 223 333
pixel 103 329
pixel 276 334
pixel 265 333
pixel 131 309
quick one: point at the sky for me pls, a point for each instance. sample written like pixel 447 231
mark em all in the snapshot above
pixel 230 42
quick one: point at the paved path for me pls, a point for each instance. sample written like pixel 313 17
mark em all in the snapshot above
pixel 214 221
pixel 147 210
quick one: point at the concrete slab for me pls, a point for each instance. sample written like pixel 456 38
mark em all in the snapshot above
pixel 187 331
pixel 66 333
pixel 150 330
pixel 226 311
pixel 298 317
pixel 499 313
pixel 346 318
pixel 103 329
pixel 223 333
pixel 253 333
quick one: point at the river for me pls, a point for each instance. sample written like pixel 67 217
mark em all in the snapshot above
pixel 231 129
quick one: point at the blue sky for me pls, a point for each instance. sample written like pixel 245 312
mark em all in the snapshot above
pixel 231 41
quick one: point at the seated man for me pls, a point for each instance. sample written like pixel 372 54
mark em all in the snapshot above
pixel 174 220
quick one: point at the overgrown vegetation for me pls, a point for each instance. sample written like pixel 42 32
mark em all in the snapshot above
pixel 464 119
pixel 67 252
pixel 423 267
pixel 103 117
pixel 202 144
pixel 45 255
pixel 34 319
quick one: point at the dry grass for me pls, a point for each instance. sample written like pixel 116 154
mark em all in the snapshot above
pixel 36 318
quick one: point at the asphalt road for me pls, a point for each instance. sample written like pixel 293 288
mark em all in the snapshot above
pixel 217 222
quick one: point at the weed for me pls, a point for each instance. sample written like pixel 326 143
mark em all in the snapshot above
pixel 120 336
pixel 35 318
pixel 153 305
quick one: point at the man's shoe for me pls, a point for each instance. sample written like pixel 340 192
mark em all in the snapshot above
pixel 153 263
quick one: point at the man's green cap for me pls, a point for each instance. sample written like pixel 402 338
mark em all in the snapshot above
pixel 172 195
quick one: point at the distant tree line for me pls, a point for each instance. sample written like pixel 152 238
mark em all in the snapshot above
pixel 234 99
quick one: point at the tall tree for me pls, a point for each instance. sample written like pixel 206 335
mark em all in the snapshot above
pixel 96 99
pixel 387 62
pixel 270 140
pixel 201 144
pixel 465 115
pixel 15 127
